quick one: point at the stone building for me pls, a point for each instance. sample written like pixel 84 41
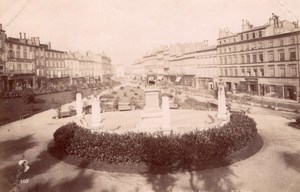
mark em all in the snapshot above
pixel 20 64
pixel 261 60
pixel 3 76
pixel 55 67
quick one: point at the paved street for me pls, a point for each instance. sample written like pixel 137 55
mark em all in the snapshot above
pixel 275 167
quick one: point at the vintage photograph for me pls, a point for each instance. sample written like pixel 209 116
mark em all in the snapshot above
pixel 149 96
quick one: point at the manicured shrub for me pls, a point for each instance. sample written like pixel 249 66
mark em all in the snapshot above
pixel 158 149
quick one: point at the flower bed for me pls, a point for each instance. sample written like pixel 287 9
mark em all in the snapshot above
pixel 157 149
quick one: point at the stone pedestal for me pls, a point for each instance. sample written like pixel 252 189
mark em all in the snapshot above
pixel 165 113
pixel 78 106
pixel 222 111
pixel 151 116
pixel 96 113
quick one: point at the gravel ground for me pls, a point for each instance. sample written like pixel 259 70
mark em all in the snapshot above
pixel 275 167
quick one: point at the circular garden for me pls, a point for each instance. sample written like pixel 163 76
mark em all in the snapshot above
pixel 134 149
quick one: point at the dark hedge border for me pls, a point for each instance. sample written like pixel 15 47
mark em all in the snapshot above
pixel 191 149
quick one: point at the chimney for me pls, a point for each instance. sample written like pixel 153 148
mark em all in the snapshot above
pixel 24 35
pixel 20 35
pixel 49 45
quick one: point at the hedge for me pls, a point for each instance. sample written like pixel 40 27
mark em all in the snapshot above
pixel 157 149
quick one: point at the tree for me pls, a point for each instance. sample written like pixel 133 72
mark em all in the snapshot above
pixel 28 97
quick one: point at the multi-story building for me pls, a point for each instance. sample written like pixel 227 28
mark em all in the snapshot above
pixel 262 60
pixel 20 64
pixel 106 67
pixel 88 67
pixel 55 68
pixel 191 64
pixel 207 68
pixel 3 77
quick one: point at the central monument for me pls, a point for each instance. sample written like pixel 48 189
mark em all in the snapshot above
pixel 151 116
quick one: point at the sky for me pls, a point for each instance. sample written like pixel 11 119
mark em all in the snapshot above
pixel 127 29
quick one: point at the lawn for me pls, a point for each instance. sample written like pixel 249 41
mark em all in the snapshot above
pixel 12 109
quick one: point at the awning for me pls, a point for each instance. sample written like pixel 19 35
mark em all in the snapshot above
pixel 178 79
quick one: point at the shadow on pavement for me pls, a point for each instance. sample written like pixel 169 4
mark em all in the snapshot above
pixel 16 146
pixel 291 160
pixel 81 182
pixel 210 176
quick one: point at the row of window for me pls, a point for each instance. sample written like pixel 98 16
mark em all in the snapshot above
pixel 20 66
pixel 268 71
pixel 269 56
pixel 259 45
pixel 241 37
pixel 55 64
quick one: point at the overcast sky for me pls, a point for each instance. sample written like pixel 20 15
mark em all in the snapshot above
pixel 127 29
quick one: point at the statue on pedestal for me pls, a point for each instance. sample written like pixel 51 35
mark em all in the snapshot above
pixel 222 110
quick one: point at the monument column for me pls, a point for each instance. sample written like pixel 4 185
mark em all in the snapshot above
pixel 96 113
pixel 221 101
pixel 165 112
pixel 78 105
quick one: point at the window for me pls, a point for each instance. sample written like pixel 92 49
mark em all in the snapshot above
pixel 247 36
pixel 292 70
pixel 235 72
pixel 271 71
pixel 254 58
pixel 242 59
pixel 248 72
pixel 292 40
pixel 281 42
pixel 18 54
pixel 271 55
pixel 253 46
pixel 281 55
pixel 261 71
pixel 261 56
pixel 243 72
pixel 234 59
pixel 260 33
pixel 225 60
pixel 272 88
pixel 226 72
pixel 242 37
pixel 221 60
pixel 292 54
pixel 281 71
pixel 254 72
pixel 11 54
pixel 253 35
pixel 248 58
pixel 271 43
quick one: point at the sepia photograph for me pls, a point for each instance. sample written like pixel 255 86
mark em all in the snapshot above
pixel 149 96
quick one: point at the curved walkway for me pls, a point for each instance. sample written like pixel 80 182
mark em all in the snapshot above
pixel 276 167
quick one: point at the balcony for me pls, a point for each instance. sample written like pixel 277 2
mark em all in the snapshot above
pixel 12 72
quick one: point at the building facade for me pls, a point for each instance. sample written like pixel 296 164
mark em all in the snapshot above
pixel 20 67
pixel 3 76
pixel 261 60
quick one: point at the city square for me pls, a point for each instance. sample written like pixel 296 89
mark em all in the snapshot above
pixel 152 110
